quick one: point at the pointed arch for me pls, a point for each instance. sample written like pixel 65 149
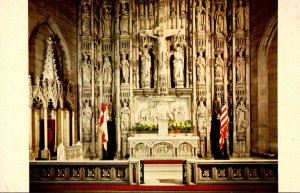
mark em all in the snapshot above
pixel 55 29
pixel 263 71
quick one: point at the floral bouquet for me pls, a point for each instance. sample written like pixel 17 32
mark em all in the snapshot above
pixel 180 126
pixel 145 127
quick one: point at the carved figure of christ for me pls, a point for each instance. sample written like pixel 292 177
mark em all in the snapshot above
pixel 160 35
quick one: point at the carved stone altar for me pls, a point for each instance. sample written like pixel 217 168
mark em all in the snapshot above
pixel 163 147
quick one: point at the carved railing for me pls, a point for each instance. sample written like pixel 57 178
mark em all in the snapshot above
pixel 97 172
pixel 70 153
pixel 230 171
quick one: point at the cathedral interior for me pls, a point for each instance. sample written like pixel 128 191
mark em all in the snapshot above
pixel 150 62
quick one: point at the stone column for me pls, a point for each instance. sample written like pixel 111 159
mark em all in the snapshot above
pixel 31 153
pixel 73 128
pixel 62 125
pixel 55 136
pixel 46 128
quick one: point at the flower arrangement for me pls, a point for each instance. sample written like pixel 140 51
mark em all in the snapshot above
pixel 180 126
pixel 145 127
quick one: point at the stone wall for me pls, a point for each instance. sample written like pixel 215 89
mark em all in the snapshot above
pixel 265 98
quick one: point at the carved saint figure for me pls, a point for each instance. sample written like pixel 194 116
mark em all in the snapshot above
pixel 125 68
pixel 106 22
pixel 241 117
pixel 107 71
pixel 240 16
pixel 146 65
pixel 202 117
pixel 219 20
pixel 86 122
pixel 86 70
pixel 219 68
pixel 183 7
pixel 141 8
pixel 173 7
pixel 124 20
pixel 178 64
pixel 85 19
pixel 200 65
pixel 240 65
pixel 125 112
pixel 150 8
pixel 200 17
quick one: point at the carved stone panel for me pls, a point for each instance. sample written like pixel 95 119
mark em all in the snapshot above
pixel 168 107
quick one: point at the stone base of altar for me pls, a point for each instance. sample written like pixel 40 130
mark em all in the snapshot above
pixel 163 147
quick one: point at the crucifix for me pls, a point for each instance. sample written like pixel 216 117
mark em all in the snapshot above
pixel 160 34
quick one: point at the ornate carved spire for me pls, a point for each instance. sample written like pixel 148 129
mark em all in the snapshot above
pixel 50 72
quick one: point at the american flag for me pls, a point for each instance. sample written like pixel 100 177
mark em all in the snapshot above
pixel 224 120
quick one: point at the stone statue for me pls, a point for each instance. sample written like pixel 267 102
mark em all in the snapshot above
pixel 200 65
pixel 241 117
pixel 125 116
pixel 141 8
pixel 178 64
pixel 107 71
pixel 202 117
pixel 146 65
pixel 240 10
pixel 219 66
pixel 86 70
pixel 173 7
pixel 125 68
pixel 160 35
pixel 151 9
pixel 200 17
pixel 124 20
pixel 85 20
pixel 106 22
pixel 182 3
pixel 219 17
pixel 240 65
pixel 86 122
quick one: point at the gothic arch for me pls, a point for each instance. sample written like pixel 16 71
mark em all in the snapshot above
pixel 55 30
pixel 263 71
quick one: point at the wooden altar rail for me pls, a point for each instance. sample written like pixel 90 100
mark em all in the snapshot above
pixel 92 172
pixel 230 171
